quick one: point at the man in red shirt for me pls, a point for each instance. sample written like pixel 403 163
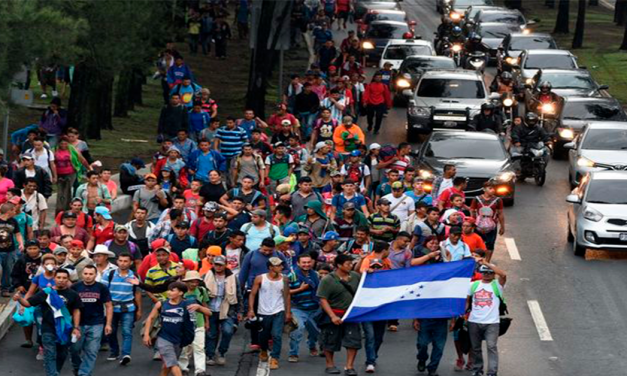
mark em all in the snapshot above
pixel 83 220
pixel 277 118
pixel 377 101
pixel 459 184
pixel 204 223
pixel 103 230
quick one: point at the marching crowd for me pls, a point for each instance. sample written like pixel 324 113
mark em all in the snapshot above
pixel 262 224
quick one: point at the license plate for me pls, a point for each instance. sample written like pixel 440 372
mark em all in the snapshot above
pixel 450 124
pixel 449 118
pixel 623 236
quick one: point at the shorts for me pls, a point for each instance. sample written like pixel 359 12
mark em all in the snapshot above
pixel 489 238
pixel 169 352
pixel 347 335
pixel 342 14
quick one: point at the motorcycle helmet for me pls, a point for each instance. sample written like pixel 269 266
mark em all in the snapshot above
pixel 545 87
pixel 487 106
pixel 408 35
pixel 506 77
pixel 475 38
pixel 531 119
pixel 457 31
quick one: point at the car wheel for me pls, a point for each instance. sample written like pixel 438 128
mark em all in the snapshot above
pixel 569 236
pixel 399 101
pixel 578 249
pixel 540 179
pixel 571 181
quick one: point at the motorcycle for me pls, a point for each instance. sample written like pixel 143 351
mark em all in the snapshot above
pixel 533 162
pixel 509 106
pixel 476 61
pixel 548 115
pixel 455 52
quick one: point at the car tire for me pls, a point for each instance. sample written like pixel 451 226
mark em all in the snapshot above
pixel 578 250
pixel 571 181
pixel 399 101
pixel 509 201
pixel 569 235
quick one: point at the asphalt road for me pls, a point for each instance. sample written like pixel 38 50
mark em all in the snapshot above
pixel 568 312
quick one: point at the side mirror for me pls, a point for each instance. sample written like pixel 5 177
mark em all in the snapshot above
pixel 411 101
pixel 569 145
pixel 494 96
pixel 408 93
pixel 604 87
pixel 573 199
pixel 412 23
pixel 532 22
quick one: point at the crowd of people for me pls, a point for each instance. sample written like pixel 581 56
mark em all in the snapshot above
pixel 262 224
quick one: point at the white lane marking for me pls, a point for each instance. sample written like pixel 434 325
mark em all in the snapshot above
pixel 263 368
pixel 538 319
pixel 512 249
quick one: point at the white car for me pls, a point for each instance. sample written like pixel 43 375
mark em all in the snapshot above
pixel 597 218
pixel 398 49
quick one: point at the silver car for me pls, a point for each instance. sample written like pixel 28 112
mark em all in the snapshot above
pixel 600 146
pixel 597 218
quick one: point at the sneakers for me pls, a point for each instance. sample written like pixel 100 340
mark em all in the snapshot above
pixel 126 359
pixel 105 347
pixel 477 373
pixel 274 364
pixel 469 366
pixel 263 356
pixel 211 362
pixel 40 354
pixel 293 359
pixel 313 352
pixel 112 357
pixel 254 347
pixel 370 368
pixel 220 361
pixel 392 328
pixel 459 365
pixel 27 345
pixel 422 366
pixel 156 357
pixel 43 96
pixel 432 373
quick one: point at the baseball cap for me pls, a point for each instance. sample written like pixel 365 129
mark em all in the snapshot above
pixel 376 263
pixel 397 185
pixel 349 205
pixel 221 215
pixel 280 239
pixel 219 260
pixel 138 162
pixel 374 146
pixel 319 146
pixel 77 243
pixel 210 206
pixel 330 235
pixel 192 275
pixel 157 244
pixel 336 173
pixel 162 249
pixel 484 269
pixel 119 228
pixel 214 250
pixel 182 224
pixel 150 176
pixel 455 230
pixel 332 68
pixel 31 243
pixel 103 211
pixel 275 261
pixel 383 201
pixel 283 188
pixel 259 212
pixel 60 250
pixel 69 214
pixel 278 144
pixel 27 156
pixel 355 153
pixel 286 122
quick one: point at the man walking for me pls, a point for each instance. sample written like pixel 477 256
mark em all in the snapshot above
pixel 304 283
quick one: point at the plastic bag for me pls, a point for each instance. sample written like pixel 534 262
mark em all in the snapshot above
pixel 24 316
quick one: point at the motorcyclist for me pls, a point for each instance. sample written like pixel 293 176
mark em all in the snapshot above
pixel 487 119
pixel 529 134
pixel 544 96
pixel 469 27
pixel 444 29
pixel 474 44
pixel 457 35
pixel 503 83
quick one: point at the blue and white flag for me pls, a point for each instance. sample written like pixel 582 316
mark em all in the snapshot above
pixel 424 292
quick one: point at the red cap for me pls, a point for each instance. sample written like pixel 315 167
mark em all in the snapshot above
pixel 77 243
pixel 157 244
pixel 470 220
pixel 16 200
pixel 189 264
pixel 332 68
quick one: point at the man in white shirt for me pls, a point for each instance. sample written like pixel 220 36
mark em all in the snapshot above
pixel 484 301
pixel 401 205
pixel 35 204
pixel 43 157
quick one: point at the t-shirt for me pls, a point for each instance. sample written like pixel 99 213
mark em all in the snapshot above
pixel 339 201
pixel 425 197
pixel 212 192
pixel 5 185
pixel 69 297
pixel 192 200
pixel 446 183
pixel 474 241
pixel 34 205
pixel 8 229
pixel 335 293
pixel 231 141
pixel 41 281
pixel 94 297
pixel 146 199
pixel 172 316
pixel 325 129
pixel 63 162
pixel 253 197
pixel 279 166
pixel 401 206
pixel 233 260
pixel 197 296
pixel 485 303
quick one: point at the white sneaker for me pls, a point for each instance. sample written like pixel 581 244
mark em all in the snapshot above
pixel 43 96
pixel 220 361
pixel 370 368
pixel 40 354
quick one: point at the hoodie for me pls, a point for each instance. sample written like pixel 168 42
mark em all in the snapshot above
pixel 24 270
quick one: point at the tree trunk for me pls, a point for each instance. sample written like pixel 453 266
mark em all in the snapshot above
pixel 89 108
pixel 562 21
pixel 139 79
pixel 123 93
pixel 593 3
pixel 623 46
pixel 515 4
pixel 581 22
pixel 619 11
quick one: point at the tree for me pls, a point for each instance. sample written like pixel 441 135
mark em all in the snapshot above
pixel 562 22
pixel 620 11
pixel 623 45
pixel 579 27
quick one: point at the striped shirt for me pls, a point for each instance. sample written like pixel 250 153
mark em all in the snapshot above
pixel 121 291
pixel 231 141
pixel 156 276
pixel 378 221
pixel 336 113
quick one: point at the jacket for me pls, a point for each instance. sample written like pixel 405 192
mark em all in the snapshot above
pixel 232 303
pixel 342 142
pixel 218 160
pixel 24 270
pixel 526 135
pixel 44 183
pixel 377 93
pixel 172 120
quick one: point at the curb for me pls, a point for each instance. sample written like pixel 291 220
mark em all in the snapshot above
pixel 6 318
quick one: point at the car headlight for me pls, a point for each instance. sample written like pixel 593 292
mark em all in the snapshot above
pixel 526 31
pixel 508 102
pixel 419 111
pixel 402 83
pixel 510 60
pixel 592 214
pixel 529 81
pixel 566 133
pixel 505 176
pixel 584 162
pixel 425 174
pixel 368 45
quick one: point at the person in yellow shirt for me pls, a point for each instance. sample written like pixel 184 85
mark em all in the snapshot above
pixel 348 136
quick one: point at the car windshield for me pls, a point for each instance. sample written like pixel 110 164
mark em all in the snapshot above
pixel 445 88
pixel 569 81
pixel 542 61
pixel 496 31
pixel 453 147
pixel 509 18
pixel 400 52
pixel 607 191
pixel 419 66
pixel 593 111
pixel 467 3
pixel 520 44
pixel 385 17
pixel 605 139
pixel 386 31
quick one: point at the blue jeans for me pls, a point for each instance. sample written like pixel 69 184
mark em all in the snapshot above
pixel 85 351
pixel 219 330
pixel 54 354
pixel 374 332
pixel 432 331
pixel 272 327
pixel 304 319
pixel 126 320
pixel 7 260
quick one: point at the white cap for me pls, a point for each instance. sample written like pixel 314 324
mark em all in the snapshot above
pixel 374 146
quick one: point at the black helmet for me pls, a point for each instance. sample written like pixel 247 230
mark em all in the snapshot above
pixel 545 86
pixel 475 38
pixel 487 106
pixel 506 76
pixel 531 119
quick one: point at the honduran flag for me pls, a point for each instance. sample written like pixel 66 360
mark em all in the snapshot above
pixel 422 292
pixel 62 316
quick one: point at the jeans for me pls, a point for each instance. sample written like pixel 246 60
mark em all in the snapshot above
pixel 272 327
pixel 434 332
pixel 85 351
pixel 54 354
pixel 489 333
pixel 127 321
pixel 373 332
pixel 254 334
pixel 197 348
pixel 307 120
pixel 7 260
pixel 205 43
pixel 375 112
pixel 219 330
pixel 304 319
pixel 64 191
pixel 193 43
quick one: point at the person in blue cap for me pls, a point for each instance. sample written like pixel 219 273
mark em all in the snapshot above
pixel 129 176
pixel 356 170
pixel 328 253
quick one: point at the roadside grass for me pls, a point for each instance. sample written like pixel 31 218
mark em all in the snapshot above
pixel 602 38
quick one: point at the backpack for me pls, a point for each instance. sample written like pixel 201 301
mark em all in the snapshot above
pixel 485 216
pixel 505 322
pixel 355 172
pixel 250 225
pixel 295 153
pixel 387 153
pixel 255 196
